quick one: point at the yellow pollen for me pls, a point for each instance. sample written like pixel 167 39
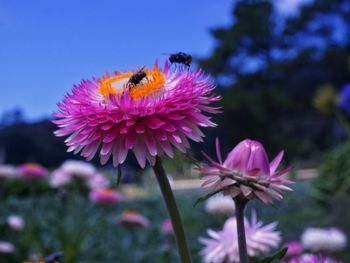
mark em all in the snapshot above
pixel 115 85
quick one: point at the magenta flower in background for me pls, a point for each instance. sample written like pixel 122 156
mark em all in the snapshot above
pixel 105 196
pixel 32 171
pixel 246 172
pixel 167 227
pixel 109 116
pixel 222 246
pixel 295 248
pixel 132 219
pixel 324 239
pixel 311 258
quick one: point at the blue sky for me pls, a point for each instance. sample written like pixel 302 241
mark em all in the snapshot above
pixel 47 46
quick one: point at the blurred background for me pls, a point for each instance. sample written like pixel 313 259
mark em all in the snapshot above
pixel 281 66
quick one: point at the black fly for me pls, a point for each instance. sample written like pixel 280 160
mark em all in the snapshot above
pixel 136 78
pixel 181 58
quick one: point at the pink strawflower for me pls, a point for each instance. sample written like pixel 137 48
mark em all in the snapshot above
pixel 246 172
pixel 111 116
pixel 98 181
pixel 32 171
pixel 295 248
pixel 167 227
pixel 60 178
pixel 105 196
pixel 311 258
pixel 222 246
pixel 132 219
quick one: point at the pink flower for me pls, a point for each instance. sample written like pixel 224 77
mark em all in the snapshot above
pixel 112 117
pixel 97 181
pixel 311 258
pixel 105 196
pixel 222 246
pixel 32 171
pixel 246 172
pixel 294 248
pixel 167 227
pixel 132 219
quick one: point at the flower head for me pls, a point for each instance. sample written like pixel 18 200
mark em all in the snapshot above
pixel 8 172
pixel 294 248
pixel 246 172
pixel 311 258
pixel 223 245
pixel 220 204
pixel 80 170
pixel 6 247
pixel 15 222
pixel 105 196
pixel 32 171
pixel 167 227
pixel 324 239
pixel 132 219
pixel 112 117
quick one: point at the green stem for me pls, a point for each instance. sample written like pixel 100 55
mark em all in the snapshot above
pixel 173 211
pixel 242 244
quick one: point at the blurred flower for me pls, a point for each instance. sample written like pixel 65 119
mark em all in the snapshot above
pixel 59 178
pixel 105 196
pixel 32 171
pixel 310 258
pixel 6 247
pixel 97 181
pixel 15 222
pixel 163 110
pixel 132 219
pixel 324 239
pixel 223 245
pixel 246 172
pixel 344 99
pixel 220 204
pixel 325 98
pixel 294 248
pixel 8 172
pixel 167 227
pixel 79 169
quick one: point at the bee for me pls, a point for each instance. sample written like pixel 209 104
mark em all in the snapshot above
pixel 136 78
pixel 181 58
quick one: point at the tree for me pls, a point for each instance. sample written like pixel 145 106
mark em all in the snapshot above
pixel 268 68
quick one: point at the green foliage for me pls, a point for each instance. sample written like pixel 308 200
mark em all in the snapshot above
pixel 334 175
pixel 277 256
pixel 268 69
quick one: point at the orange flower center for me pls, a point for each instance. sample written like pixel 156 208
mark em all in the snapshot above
pixel 115 85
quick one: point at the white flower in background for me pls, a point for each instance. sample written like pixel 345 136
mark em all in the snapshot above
pixel 6 247
pixel 79 169
pixel 16 222
pixel 97 181
pixel 220 204
pixel 59 178
pixel 8 172
pixel 324 239
pixel 222 246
